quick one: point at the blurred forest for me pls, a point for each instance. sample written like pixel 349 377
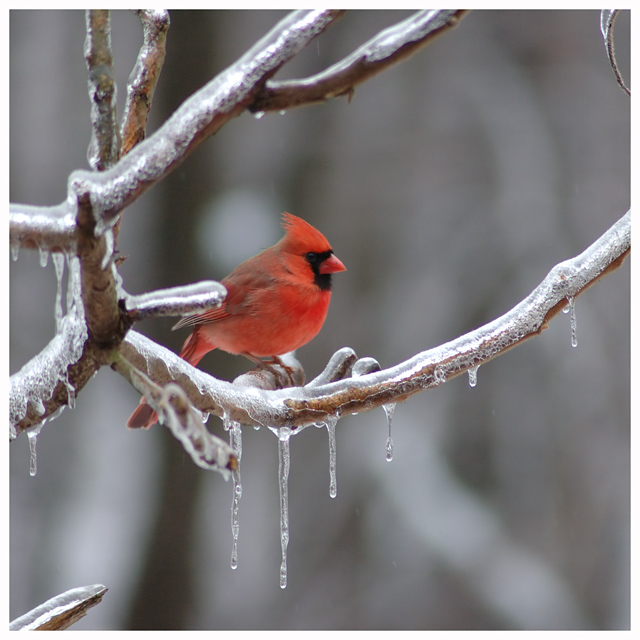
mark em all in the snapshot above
pixel 449 186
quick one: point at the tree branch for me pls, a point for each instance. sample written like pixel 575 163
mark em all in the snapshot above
pixel 144 77
pixel 176 301
pixel 104 147
pixel 44 228
pixel 320 400
pixel 61 611
pixel 184 422
pixel 384 50
pixel 607 20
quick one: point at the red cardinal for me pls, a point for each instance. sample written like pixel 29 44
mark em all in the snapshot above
pixel 276 302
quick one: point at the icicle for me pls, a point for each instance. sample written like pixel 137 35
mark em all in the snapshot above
pixel 33 441
pixel 258 115
pixel 235 441
pixel 58 263
pixel 389 409
pixel 44 256
pixel 33 462
pixel 15 250
pixel 284 461
pixel 235 516
pixel 571 308
pixel 331 430
pixel 473 376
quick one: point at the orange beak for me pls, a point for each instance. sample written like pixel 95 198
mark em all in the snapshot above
pixel 331 265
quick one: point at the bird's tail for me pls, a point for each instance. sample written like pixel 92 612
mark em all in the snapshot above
pixel 193 350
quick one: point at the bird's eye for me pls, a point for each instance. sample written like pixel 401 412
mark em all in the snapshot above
pixel 311 257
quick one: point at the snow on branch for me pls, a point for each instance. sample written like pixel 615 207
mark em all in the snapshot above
pixel 346 386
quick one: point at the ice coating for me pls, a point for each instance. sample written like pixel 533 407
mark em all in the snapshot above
pixel 177 301
pixel 44 228
pixel 419 25
pixel 80 599
pixel 35 383
pixel 205 449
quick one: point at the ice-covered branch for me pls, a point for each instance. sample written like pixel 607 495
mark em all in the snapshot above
pixel 144 77
pixel 104 146
pixel 176 301
pixel 368 387
pixel 61 611
pixel 47 229
pixel 175 411
pixel 385 49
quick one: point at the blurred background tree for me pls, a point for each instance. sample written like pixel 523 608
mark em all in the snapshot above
pixel 449 186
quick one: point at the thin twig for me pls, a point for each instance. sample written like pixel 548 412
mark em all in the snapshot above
pixel 607 20
pixel 144 77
